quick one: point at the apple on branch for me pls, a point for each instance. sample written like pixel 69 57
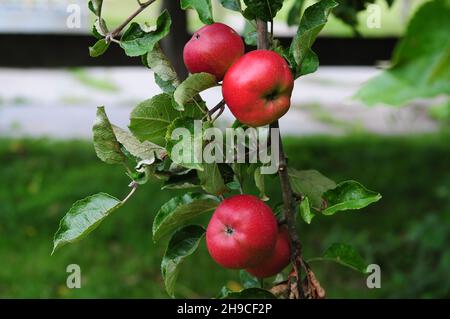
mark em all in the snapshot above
pixel 258 87
pixel 213 49
pixel 242 232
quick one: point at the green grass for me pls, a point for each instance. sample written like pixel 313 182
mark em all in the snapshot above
pixel 407 233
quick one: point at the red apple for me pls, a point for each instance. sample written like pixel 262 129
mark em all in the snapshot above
pixel 213 49
pixel 278 260
pixel 242 232
pixel 258 87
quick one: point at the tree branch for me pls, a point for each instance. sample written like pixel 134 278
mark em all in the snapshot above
pixel 288 198
pixel 142 6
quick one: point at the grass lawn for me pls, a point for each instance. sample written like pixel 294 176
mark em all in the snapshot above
pixel 407 233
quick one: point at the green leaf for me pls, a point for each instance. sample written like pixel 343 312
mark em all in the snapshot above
pixel 248 281
pixel 421 61
pixel 348 195
pixel 203 8
pixel 234 5
pixel 184 141
pixel 98 27
pixel 183 243
pixel 136 41
pixel 141 150
pixel 262 9
pixel 95 6
pixel 211 179
pixel 224 291
pixel 305 211
pixel 179 209
pixel 165 75
pixel 98 48
pixel 150 119
pixel 191 87
pixel 295 12
pixel 250 34
pixel 259 182
pixel 345 255
pixel 311 184
pixel 105 143
pixel 182 181
pixel 311 23
pixel 84 216
pixel 250 293
pixel 166 86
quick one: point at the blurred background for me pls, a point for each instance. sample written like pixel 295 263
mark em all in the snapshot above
pixel 49 91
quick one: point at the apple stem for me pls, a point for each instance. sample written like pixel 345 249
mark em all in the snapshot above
pixel 286 188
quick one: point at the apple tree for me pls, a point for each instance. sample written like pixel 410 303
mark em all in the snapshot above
pixel 255 235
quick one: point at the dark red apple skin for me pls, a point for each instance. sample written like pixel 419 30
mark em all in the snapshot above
pixel 258 87
pixel 213 49
pixel 253 232
pixel 278 261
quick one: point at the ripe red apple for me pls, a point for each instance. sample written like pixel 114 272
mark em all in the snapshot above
pixel 242 232
pixel 213 49
pixel 257 88
pixel 278 260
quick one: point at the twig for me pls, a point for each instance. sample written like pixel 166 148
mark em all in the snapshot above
pixel 216 108
pixel 288 198
pixel 142 6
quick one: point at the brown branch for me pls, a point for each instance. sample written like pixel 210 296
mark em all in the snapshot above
pixel 288 198
pixel 219 106
pixel 142 6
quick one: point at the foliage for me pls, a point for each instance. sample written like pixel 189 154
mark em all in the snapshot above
pixel 152 145
pixel 420 63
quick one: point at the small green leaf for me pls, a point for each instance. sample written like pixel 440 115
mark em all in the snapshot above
pixel 250 293
pixel 182 181
pixel 345 255
pixel 99 28
pixel 95 6
pixel 259 182
pixel 264 10
pixel 150 119
pixel 311 184
pixel 184 141
pixel 183 243
pixel 348 195
pixel 136 41
pixel 179 209
pixel 84 216
pixel 295 12
pixel 166 86
pixel 141 150
pixel 305 211
pixel 248 281
pixel 224 291
pixel 165 75
pixel 203 8
pixel 98 48
pixel 311 23
pixel 105 143
pixel 420 63
pixel 211 179
pixel 234 5
pixel 191 87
